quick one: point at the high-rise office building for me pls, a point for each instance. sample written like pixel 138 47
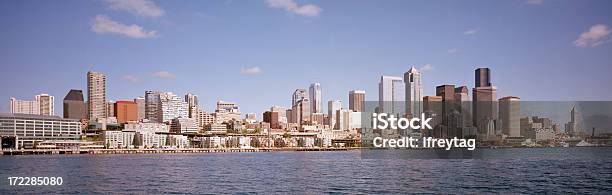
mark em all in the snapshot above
pixel 509 116
pixel 96 95
pixel 140 103
pixel 74 105
pixel 483 77
pixel 414 92
pixel 164 106
pixel 153 106
pixel 282 113
pixel 192 103
pixel 298 94
pixel 484 97
pixel 357 100
pixel 110 109
pixel 126 111
pixel 272 118
pixel 301 111
pixel 572 127
pixel 315 98
pixel 46 103
pixel 24 106
pixel 332 107
pixel 391 95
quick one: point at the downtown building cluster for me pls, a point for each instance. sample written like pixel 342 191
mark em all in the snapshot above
pixel 161 119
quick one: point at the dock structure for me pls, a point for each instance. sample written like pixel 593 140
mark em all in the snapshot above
pixel 159 151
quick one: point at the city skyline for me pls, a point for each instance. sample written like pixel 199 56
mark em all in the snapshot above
pixel 330 57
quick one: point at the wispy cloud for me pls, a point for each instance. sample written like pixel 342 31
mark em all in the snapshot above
pixel 597 35
pixel 251 71
pixel 291 6
pixel 470 32
pixel 426 67
pixel 102 24
pixel 163 74
pixel 453 51
pixel 131 78
pixel 534 2
pixel 144 8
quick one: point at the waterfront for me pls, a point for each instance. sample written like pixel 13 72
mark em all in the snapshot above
pixel 556 170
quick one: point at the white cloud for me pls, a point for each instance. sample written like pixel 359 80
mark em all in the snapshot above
pixel 453 51
pixel 131 78
pixel 144 8
pixel 293 7
pixel 102 24
pixel 534 2
pixel 597 35
pixel 470 32
pixel 251 71
pixel 426 67
pixel 163 74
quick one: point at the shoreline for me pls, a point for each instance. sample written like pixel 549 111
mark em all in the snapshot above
pixel 209 150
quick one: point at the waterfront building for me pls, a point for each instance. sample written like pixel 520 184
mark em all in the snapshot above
pixel 30 129
pixel 315 98
pixel 357 100
pixel 413 92
pixel 204 119
pixel 96 95
pixel 342 119
pixel 509 116
pixel 74 105
pixel 227 111
pixel 391 94
pixel 126 111
pixel 147 127
pixel 216 128
pixel 251 118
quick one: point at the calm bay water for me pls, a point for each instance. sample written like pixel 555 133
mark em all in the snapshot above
pixel 540 170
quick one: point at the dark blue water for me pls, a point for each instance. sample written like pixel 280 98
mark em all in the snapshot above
pixel 556 170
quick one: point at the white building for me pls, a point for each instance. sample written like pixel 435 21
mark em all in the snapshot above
pixel 184 125
pixel 24 106
pixel 164 106
pixel 30 129
pixel 414 92
pixel 332 107
pixel 147 127
pixel 391 94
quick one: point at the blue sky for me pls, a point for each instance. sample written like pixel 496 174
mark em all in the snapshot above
pixel 257 53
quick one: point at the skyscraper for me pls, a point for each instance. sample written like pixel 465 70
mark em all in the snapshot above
pixel 140 103
pixel 272 118
pixel 74 105
pixel 332 107
pixel 484 101
pixel 46 103
pixel 96 95
pixel 357 100
pixel 414 92
pixel 391 94
pixel 483 77
pixel 192 103
pixel 153 106
pixel 509 116
pixel 298 94
pixel 315 97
